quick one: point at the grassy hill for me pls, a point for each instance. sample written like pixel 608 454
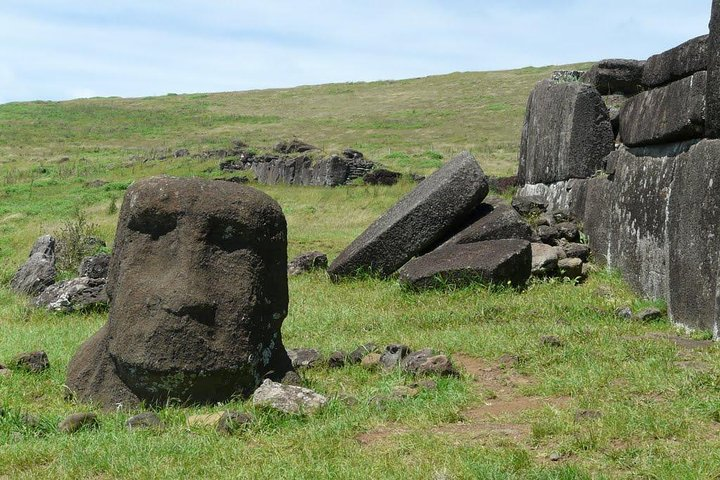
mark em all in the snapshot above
pixel 609 399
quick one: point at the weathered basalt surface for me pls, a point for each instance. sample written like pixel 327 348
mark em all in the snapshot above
pixel 73 295
pixel 567 196
pixel 712 97
pixel 418 222
pixel 676 63
pixel 566 134
pixel 492 220
pixel 616 76
pixel 668 114
pixel 492 261
pixel 198 289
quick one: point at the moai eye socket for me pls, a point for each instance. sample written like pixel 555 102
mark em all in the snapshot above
pixel 153 223
pixel 227 235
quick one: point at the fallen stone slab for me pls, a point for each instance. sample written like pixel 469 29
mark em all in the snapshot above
pixel 566 134
pixel 492 220
pixel 677 111
pixel 676 63
pixel 38 272
pixel 616 76
pixel 418 222
pixel 287 398
pixel 73 295
pixel 494 261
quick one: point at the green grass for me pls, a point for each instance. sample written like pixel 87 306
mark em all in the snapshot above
pixel 659 403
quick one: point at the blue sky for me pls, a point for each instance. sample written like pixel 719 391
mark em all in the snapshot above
pixel 55 50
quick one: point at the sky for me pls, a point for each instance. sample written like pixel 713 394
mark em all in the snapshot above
pixel 58 50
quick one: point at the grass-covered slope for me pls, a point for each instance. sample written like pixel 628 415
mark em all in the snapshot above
pixel 611 399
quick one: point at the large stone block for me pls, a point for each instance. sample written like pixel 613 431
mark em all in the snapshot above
pixel 671 113
pixel 198 290
pixel 567 133
pixel 694 237
pixel 676 63
pixel 493 261
pixel 616 76
pixel 494 219
pixel 418 222
pixel 637 228
pixel 712 97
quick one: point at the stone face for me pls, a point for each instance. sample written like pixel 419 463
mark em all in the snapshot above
pixel 615 76
pixel 417 222
pixel 712 97
pixel 492 220
pixel 73 295
pixel 287 398
pixel 198 289
pixel 38 272
pixel 671 113
pixel 95 266
pixel 492 261
pixel 566 134
pixel 676 63
pixel 307 262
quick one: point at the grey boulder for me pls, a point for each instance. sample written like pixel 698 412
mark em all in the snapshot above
pixel 287 398
pixel 493 261
pixel 544 259
pixel 95 266
pixel 417 222
pixel 307 262
pixel 73 295
pixel 38 272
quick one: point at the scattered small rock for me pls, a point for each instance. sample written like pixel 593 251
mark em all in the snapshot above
pixel 306 262
pixel 393 355
pixel 287 398
pixel 416 177
pixel 624 312
pixel 304 357
pixel 33 362
pixel 96 183
pixel 292 378
pixel 231 422
pixel 425 362
pixel 587 415
pixel 78 421
pixel 577 250
pixel 337 360
pixel 143 420
pixel 555 457
pixel 359 353
pixel 293 146
pixel 648 314
pixel 403 391
pixel 204 420
pixel 548 234
pixel 181 152
pixel 551 341
pixel 569 231
pixel 29 421
pixel 371 360
pixel 425 384
pixel 570 267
